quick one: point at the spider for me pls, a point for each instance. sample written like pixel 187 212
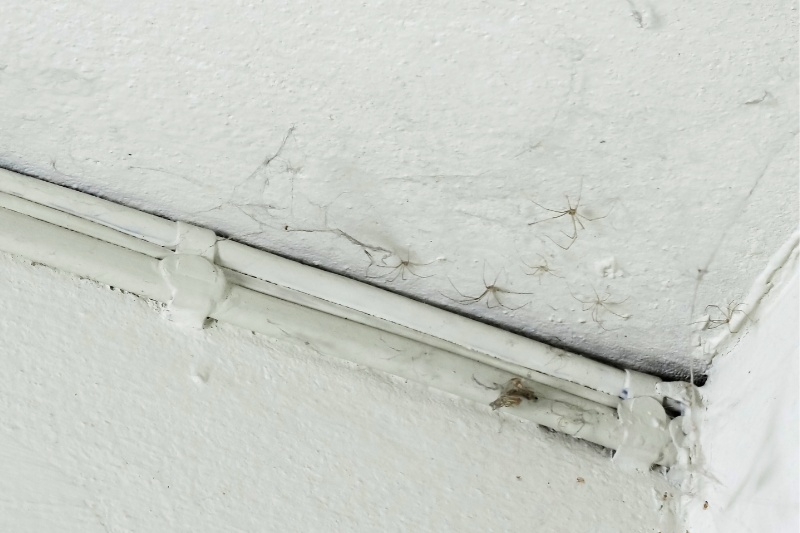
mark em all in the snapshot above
pixel 599 304
pixel 491 293
pixel 726 315
pixel 575 218
pixel 540 269
pixel 399 270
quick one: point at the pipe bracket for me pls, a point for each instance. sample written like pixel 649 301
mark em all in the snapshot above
pixel 197 284
pixel 646 435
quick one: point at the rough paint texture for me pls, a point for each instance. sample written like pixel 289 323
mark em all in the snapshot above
pixel 115 420
pixel 424 131
pixel 749 475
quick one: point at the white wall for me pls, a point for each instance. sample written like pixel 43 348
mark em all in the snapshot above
pixel 749 434
pixel 427 128
pixel 115 419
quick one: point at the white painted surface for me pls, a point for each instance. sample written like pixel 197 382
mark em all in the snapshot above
pixel 424 128
pixel 748 470
pixel 337 336
pixel 40 212
pixel 115 419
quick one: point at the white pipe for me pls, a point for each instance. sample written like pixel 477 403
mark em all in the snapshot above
pixel 138 273
pixel 131 221
pixel 350 299
pixel 82 225
pixel 378 308
pixel 291 295
pixel 107 234
pixel 82 255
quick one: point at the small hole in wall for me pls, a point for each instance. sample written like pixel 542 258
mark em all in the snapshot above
pixel 673 408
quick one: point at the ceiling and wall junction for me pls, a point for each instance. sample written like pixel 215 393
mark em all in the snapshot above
pixel 357 136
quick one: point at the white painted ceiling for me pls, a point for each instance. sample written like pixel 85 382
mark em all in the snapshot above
pixel 428 131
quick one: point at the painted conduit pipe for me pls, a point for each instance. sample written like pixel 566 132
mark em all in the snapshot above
pixel 290 295
pixel 112 236
pixel 138 273
pixel 137 223
pixel 107 234
pixel 82 225
pixel 355 300
pixel 470 338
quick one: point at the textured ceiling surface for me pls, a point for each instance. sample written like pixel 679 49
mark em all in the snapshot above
pixel 563 169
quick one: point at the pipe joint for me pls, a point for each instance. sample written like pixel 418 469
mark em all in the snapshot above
pixel 198 286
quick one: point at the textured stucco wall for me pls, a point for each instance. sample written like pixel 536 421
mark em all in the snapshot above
pixel 115 419
pixel 749 473
pixel 425 130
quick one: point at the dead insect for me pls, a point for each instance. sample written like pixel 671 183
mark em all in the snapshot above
pixel 581 480
pixel 512 394
pixel 505 401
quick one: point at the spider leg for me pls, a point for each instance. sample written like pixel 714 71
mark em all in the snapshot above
pixel 515 308
pixel 409 268
pixel 551 218
pixel 592 219
pixel 497 289
pixel 601 326
pixel 567 247
pixel 377 264
pixel 737 310
pixel 605 302
pixel 494 283
pixel 467 299
pixel 375 276
pixel 527 265
pixel 491 295
pixel 580 193
pixel 501 304
pixel 574 235
pixel 596 312
pixel 371 263
pixel 386 275
pixel 579 300
pixel 624 317
pixel 424 264
pixel 547 208
pixel 397 271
